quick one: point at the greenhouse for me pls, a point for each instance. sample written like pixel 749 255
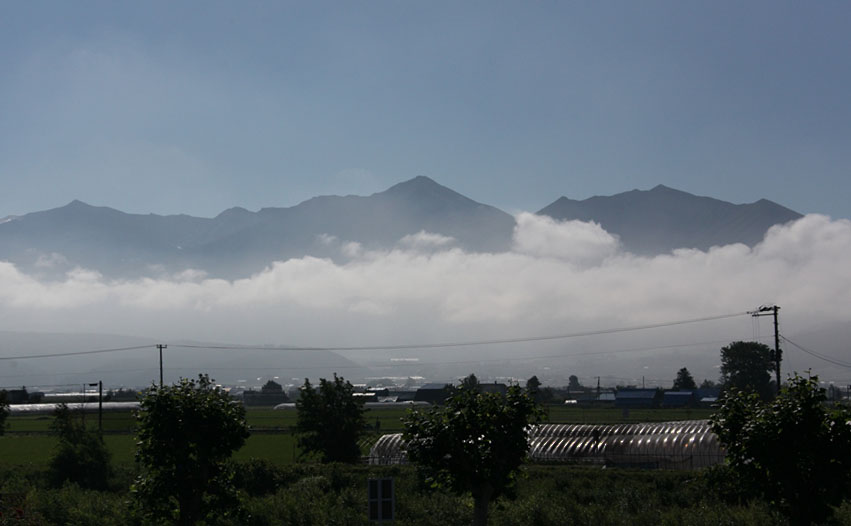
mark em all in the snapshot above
pixel 665 445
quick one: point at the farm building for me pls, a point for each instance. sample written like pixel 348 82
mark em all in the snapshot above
pixel 432 393
pixel 679 399
pixel 637 398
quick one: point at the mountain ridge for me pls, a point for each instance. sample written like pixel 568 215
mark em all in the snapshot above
pixel 238 242
pixel 663 218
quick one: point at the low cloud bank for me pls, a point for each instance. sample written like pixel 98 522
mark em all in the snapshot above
pixel 559 277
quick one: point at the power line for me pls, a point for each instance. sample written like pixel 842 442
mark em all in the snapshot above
pixel 820 356
pixel 75 353
pixel 401 364
pixel 472 343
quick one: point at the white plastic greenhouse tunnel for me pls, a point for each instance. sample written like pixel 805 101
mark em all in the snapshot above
pixel 684 445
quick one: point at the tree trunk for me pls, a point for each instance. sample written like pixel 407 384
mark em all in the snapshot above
pixel 481 500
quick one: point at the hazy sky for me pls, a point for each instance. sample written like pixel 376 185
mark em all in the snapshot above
pixel 195 107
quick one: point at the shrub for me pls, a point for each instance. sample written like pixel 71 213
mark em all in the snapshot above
pixel 81 456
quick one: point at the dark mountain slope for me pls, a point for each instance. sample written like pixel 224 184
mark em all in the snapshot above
pixel 238 242
pixel 662 219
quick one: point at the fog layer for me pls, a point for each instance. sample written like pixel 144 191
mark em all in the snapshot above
pixel 558 278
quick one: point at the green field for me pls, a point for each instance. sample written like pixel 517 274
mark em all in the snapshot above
pixel 28 439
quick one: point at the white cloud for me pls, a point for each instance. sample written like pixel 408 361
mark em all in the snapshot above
pixel 571 241
pixel 406 294
pixel 49 261
pixel 326 239
pixel 423 240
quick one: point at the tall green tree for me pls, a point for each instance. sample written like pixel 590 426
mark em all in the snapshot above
pixel 793 451
pixel 573 382
pixel 471 382
pixel 330 420
pixel 533 387
pixel 684 381
pixel 474 443
pixel 186 433
pixel 81 455
pixel 747 366
pixel 4 411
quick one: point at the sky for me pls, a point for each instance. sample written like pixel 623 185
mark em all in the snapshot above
pixel 195 107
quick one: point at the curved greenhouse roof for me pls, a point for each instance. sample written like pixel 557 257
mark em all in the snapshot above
pixel 88 407
pixel 668 445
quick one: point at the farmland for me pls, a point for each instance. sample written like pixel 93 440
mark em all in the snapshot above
pixel 28 439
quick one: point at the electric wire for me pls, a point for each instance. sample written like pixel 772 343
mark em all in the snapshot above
pixel 385 366
pixel 398 346
pixel 471 343
pixel 818 355
pixel 74 353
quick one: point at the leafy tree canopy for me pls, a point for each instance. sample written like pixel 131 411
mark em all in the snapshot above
pixel 4 411
pixel 81 455
pixel 573 382
pixel 746 366
pixel 272 387
pixel 475 442
pixel 792 451
pixel 533 385
pixel 684 381
pixel 471 382
pixel 186 433
pixel 330 420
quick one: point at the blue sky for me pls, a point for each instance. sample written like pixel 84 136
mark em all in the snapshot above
pixel 195 107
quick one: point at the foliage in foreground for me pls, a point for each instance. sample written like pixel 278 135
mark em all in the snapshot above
pixel 81 456
pixel 4 411
pixel 792 451
pixel 336 494
pixel 186 433
pixel 330 420
pixel 475 443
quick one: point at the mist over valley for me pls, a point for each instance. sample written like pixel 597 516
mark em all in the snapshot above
pixel 419 264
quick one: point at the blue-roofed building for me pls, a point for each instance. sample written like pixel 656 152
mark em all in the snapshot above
pixel 707 396
pixel 432 393
pixel 679 399
pixel 637 398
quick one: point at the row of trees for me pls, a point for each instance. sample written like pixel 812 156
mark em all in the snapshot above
pixel 4 411
pixel 791 450
pixel 745 366
pixel 475 443
pixel 185 434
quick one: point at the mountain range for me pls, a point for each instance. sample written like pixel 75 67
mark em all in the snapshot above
pixel 238 242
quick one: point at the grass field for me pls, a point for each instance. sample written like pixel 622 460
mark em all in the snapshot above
pixel 28 440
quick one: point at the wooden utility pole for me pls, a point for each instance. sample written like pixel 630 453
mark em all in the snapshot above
pixel 100 406
pixel 772 310
pixel 99 385
pixel 161 347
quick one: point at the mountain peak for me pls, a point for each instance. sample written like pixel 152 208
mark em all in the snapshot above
pixel 424 188
pixel 418 183
pixel 663 218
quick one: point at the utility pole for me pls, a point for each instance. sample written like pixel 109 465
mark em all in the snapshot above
pixel 100 406
pixel 161 347
pixel 772 310
pixel 99 385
